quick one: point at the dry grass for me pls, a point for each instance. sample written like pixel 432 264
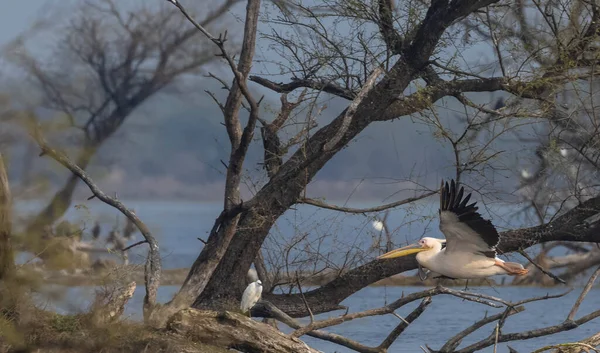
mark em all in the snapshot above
pixel 43 331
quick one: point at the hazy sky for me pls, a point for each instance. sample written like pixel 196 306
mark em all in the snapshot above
pixel 16 16
pixel 414 149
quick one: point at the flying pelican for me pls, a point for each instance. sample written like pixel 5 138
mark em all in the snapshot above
pixel 471 241
pixel 251 296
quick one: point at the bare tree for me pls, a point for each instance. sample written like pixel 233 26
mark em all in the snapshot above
pixel 386 69
pixel 331 72
pixel 110 60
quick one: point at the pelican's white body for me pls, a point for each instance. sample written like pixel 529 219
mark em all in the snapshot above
pixel 251 296
pixel 471 242
pixel 465 265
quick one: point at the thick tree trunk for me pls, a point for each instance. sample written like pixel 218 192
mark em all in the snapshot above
pixel 6 253
pixel 234 331
pixel 292 177
pixel 62 200
pixel 227 282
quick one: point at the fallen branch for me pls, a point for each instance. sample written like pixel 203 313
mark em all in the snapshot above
pixel 549 330
pixel 153 262
pixel 455 341
pixel 566 325
pixel 341 340
pixel 390 308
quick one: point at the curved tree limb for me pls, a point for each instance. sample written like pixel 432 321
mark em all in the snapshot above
pixel 322 204
pixel 153 266
pixel 296 83
pixel 351 110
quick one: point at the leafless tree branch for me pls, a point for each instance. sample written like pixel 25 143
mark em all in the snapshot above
pixel 153 263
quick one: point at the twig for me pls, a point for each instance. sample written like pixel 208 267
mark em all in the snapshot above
pixel 584 292
pixel 202 241
pixel 312 318
pixel 352 109
pixel 134 245
pixel 400 318
pixel 545 297
pixel 387 342
pixel 496 341
pixel 475 297
pixel 453 342
pixel 547 273
pixel 153 262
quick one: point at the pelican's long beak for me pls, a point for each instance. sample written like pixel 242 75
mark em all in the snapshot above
pixel 407 250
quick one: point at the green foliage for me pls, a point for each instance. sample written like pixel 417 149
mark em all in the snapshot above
pixel 66 323
pixel 9 333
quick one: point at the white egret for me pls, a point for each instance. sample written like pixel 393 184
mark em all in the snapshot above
pixel 378 225
pixel 251 296
pixel 470 242
pixel 564 152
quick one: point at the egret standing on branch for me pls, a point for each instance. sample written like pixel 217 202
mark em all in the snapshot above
pixel 471 242
pixel 251 296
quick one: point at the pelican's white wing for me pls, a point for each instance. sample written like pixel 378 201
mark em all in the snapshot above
pixel 463 226
pixel 251 296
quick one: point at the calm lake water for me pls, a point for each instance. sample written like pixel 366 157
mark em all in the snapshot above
pixel 177 225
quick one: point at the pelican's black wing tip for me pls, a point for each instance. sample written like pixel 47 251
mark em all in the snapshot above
pixel 454 202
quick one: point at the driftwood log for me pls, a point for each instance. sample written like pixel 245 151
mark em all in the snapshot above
pixel 235 331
